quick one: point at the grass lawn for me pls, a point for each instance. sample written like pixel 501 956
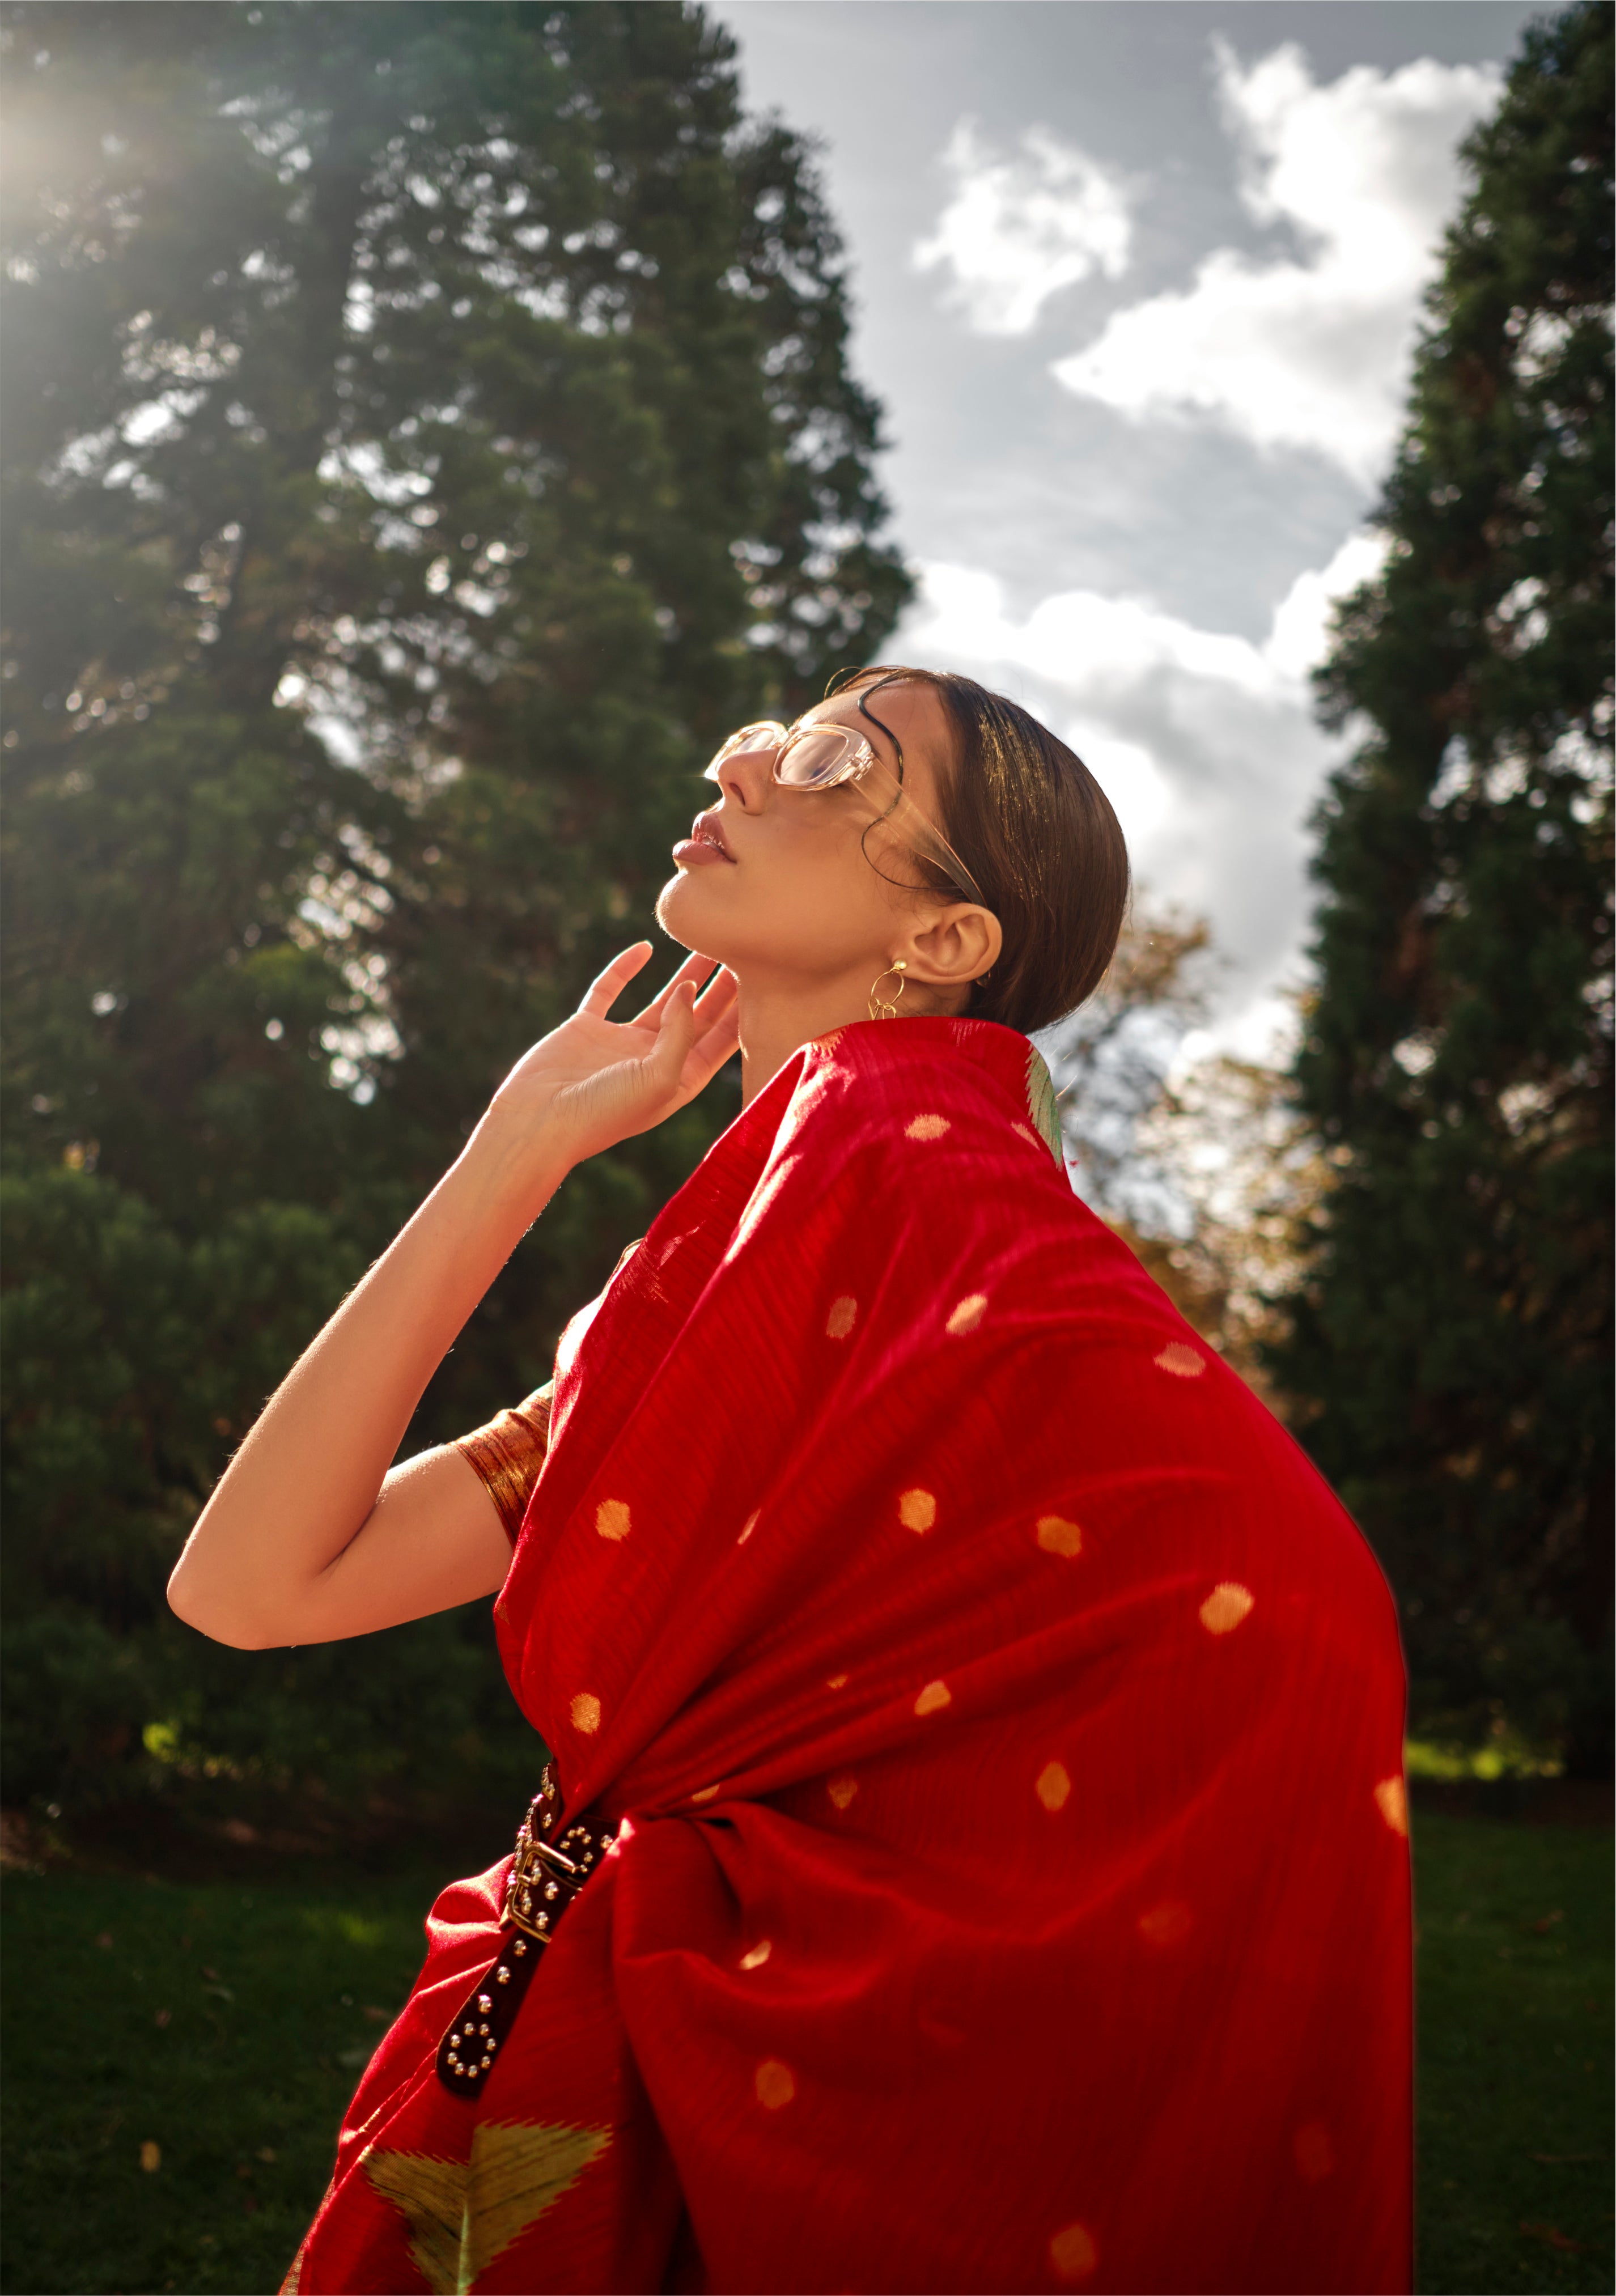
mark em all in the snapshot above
pixel 225 2022
pixel 1514 2055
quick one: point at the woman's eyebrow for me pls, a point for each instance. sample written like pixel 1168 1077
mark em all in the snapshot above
pixel 868 723
pixel 870 719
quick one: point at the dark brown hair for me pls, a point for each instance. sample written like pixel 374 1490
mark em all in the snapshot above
pixel 1038 833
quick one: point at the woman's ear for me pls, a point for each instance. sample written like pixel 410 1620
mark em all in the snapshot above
pixel 953 946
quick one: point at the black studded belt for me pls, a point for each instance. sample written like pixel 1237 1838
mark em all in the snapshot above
pixel 545 1875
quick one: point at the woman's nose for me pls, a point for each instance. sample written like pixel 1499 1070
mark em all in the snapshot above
pixel 747 777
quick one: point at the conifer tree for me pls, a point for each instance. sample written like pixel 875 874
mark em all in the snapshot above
pixel 1451 1339
pixel 429 428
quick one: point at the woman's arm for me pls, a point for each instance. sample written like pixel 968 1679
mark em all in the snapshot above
pixel 302 1540
pixel 299 1543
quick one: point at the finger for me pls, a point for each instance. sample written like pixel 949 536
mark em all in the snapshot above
pixel 694 968
pixel 710 1050
pixel 719 993
pixel 607 986
pixel 718 1003
pixel 676 1032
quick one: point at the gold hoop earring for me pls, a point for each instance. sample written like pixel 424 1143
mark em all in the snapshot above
pixel 880 1007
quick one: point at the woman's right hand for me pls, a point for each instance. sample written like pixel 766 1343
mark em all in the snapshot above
pixel 307 1538
pixel 595 1081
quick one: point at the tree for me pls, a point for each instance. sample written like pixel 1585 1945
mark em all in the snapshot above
pixel 1452 1331
pixel 1203 1167
pixel 1246 1178
pixel 1111 1060
pixel 429 429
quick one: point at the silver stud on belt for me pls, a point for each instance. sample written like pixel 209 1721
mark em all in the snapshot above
pixel 545 1875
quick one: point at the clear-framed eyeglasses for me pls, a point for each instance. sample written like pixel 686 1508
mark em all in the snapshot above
pixel 823 757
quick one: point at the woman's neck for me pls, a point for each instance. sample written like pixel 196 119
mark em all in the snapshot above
pixel 777 1020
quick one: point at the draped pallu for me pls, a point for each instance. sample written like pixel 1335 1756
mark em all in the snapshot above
pixel 1003 1721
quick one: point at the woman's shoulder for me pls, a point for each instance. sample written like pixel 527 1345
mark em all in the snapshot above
pixel 951 1086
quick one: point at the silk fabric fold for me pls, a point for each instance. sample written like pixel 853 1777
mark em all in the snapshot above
pixel 1004 1721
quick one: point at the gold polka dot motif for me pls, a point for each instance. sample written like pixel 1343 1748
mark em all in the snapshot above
pixel 611 1519
pixel 933 1698
pixel 967 1316
pixel 843 1315
pixel 841 1791
pixel 917 1510
pixel 926 1128
pixel 705 1793
pixel 759 1955
pixel 1056 1536
pixel 1183 1362
pixel 586 1711
pixel 749 1526
pixel 1227 1607
pixel 1392 1799
pixel 1052 1786
pixel 1073 2251
pixel 776 2084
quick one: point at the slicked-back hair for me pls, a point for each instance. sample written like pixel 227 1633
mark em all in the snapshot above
pixel 1038 833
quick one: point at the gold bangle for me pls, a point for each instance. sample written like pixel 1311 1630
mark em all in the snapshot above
pixel 507 1455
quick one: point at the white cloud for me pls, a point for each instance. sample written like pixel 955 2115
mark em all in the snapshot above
pixel 1301 621
pixel 1205 743
pixel 1313 351
pixel 1018 229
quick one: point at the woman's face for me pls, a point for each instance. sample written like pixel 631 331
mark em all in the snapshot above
pixel 785 891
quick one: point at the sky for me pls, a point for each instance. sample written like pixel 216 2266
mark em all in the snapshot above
pixel 1136 284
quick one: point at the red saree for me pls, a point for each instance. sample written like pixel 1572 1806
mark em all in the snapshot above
pixel 1005 1722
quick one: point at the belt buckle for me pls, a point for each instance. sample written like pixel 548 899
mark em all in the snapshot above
pixel 537 1878
pixel 543 1878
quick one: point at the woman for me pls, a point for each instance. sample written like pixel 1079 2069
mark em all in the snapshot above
pixel 975 1855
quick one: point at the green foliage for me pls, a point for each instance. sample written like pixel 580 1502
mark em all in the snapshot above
pixel 1452 1329
pixel 429 428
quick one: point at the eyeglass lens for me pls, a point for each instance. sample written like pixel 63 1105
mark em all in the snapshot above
pixel 812 759
pixel 806 761
pixel 751 741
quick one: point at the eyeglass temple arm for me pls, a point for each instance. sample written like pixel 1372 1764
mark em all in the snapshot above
pixel 903 808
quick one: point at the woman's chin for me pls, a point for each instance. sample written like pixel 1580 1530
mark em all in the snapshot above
pixel 680 910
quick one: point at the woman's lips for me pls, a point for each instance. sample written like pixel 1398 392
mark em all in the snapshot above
pixel 693 852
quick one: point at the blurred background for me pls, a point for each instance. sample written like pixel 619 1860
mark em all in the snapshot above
pixel 428 429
